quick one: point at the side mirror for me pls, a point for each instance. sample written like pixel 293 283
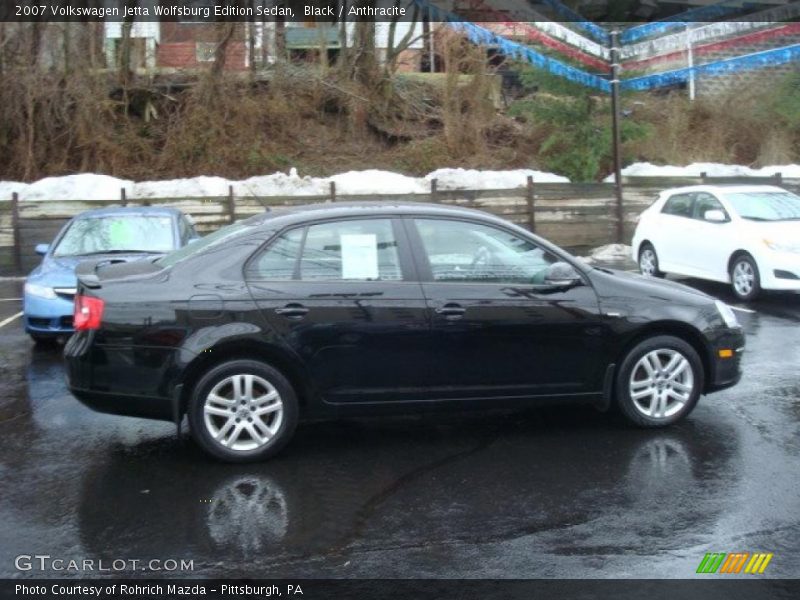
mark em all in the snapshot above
pixel 192 240
pixel 41 249
pixel 715 216
pixel 561 274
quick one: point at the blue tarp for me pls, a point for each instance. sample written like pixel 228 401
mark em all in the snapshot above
pixel 758 60
pixel 482 36
pixel 594 30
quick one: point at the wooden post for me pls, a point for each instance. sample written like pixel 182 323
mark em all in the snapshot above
pixel 778 178
pixel 703 177
pixel 15 227
pixel 531 198
pixel 434 185
pixel 123 197
pixel 231 205
pixel 333 191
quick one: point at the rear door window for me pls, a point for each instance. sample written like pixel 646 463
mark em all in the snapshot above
pixel 679 205
pixel 351 250
pixel 363 249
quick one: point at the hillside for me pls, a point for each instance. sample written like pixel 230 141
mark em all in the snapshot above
pixel 321 124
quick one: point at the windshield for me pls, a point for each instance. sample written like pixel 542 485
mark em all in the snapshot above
pixel 117 233
pixel 201 244
pixel 766 206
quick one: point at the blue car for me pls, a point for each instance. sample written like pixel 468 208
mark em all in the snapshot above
pixel 118 234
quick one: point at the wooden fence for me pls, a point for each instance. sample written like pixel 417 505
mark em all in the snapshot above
pixel 575 216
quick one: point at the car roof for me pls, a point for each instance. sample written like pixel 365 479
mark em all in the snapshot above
pixel 727 187
pixel 164 211
pixel 281 216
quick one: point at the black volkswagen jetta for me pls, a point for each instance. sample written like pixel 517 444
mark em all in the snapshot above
pixel 332 310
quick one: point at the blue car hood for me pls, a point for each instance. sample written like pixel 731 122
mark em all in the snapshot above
pixel 60 271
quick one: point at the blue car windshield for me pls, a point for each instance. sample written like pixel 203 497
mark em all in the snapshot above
pixel 201 245
pixel 117 234
pixel 766 206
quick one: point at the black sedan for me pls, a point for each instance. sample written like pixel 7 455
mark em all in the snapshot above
pixel 334 310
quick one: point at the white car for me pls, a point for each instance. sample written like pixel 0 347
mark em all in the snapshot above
pixel 745 235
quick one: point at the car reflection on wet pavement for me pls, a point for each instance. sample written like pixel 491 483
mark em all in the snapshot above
pixel 556 492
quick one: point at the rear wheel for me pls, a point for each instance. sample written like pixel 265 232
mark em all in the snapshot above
pixel 243 411
pixel 659 381
pixel 745 278
pixel 648 261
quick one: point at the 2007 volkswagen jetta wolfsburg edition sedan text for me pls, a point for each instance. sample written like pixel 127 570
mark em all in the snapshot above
pixel 336 310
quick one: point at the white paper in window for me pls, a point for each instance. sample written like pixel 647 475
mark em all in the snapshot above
pixel 359 256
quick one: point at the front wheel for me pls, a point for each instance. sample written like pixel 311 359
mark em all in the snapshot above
pixel 745 278
pixel 648 261
pixel 659 381
pixel 243 411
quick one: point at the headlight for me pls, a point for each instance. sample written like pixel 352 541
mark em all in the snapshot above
pixel 778 247
pixel 727 314
pixel 39 290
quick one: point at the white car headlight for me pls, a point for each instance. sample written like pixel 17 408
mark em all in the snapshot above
pixel 39 290
pixel 782 247
pixel 727 314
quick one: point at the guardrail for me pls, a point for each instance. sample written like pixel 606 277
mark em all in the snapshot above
pixel 574 215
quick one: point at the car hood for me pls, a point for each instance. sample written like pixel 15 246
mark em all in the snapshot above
pixel 614 282
pixel 59 271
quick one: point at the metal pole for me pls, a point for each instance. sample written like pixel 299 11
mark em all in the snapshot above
pixel 617 136
pixel 690 61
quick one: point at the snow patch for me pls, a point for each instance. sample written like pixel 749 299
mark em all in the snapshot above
pixel 181 188
pixel 472 179
pixel 610 253
pixel 373 181
pixel 646 169
pixel 89 186
pixel 85 186
pixel 9 187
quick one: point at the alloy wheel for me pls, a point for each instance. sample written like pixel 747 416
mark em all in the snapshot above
pixel 743 278
pixel 647 262
pixel 243 412
pixel 661 383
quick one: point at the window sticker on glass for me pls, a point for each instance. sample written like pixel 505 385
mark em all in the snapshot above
pixel 359 256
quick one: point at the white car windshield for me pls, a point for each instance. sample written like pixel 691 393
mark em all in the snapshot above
pixel 766 206
pixel 117 234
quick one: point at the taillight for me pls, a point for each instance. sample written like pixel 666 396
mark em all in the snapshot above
pixel 88 313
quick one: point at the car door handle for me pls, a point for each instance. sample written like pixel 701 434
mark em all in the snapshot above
pixel 293 311
pixel 451 311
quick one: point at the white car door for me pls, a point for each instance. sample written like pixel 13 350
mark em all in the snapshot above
pixel 669 233
pixel 713 242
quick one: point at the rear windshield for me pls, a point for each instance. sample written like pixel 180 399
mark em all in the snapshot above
pixel 117 233
pixel 204 243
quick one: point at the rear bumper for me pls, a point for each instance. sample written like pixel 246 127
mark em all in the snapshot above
pixel 146 407
pixel 118 380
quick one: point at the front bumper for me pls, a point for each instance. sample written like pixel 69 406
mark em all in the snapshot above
pixel 780 271
pixel 44 316
pixel 726 371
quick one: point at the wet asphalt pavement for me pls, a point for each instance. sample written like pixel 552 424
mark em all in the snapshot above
pixel 557 492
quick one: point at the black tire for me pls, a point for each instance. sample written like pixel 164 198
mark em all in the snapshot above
pixel 748 264
pixel 220 373
pixel 648 247
pixel 668 344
